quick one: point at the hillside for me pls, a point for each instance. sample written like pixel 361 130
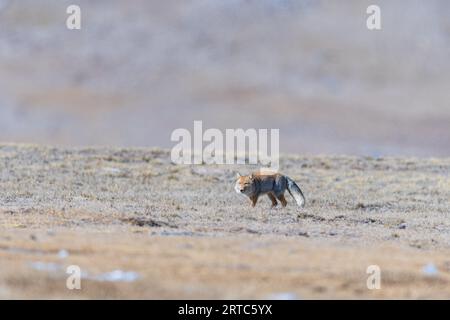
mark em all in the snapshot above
pixel 311 68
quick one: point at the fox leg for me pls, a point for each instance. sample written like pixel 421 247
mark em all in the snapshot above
pixel 254 199
pixel 282 200
pixel 273 199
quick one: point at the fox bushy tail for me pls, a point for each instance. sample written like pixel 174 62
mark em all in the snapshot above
pixel 295 192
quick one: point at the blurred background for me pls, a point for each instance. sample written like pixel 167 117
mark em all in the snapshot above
pixel 139 69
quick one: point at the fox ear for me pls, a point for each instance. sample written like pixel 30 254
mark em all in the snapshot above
pixel 238 175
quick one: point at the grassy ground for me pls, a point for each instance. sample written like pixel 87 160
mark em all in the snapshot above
pixel 182 231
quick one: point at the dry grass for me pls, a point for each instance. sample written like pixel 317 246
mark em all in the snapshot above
pixel 185 232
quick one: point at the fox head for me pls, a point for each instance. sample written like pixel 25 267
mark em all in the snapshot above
pixel 244 185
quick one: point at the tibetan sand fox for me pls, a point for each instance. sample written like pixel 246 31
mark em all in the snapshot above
pixel 274 185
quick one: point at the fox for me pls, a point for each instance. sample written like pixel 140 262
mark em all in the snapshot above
pixel 274 185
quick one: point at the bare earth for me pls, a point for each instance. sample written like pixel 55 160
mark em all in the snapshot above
pixel 140 227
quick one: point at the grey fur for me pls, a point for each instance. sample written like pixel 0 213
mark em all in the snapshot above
pixel 295 192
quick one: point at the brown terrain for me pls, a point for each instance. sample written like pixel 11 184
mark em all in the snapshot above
pixel 364 127
pixel 139 226
pixel 137 71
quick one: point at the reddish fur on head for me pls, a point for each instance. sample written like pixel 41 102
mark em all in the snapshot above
pixel 245 185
